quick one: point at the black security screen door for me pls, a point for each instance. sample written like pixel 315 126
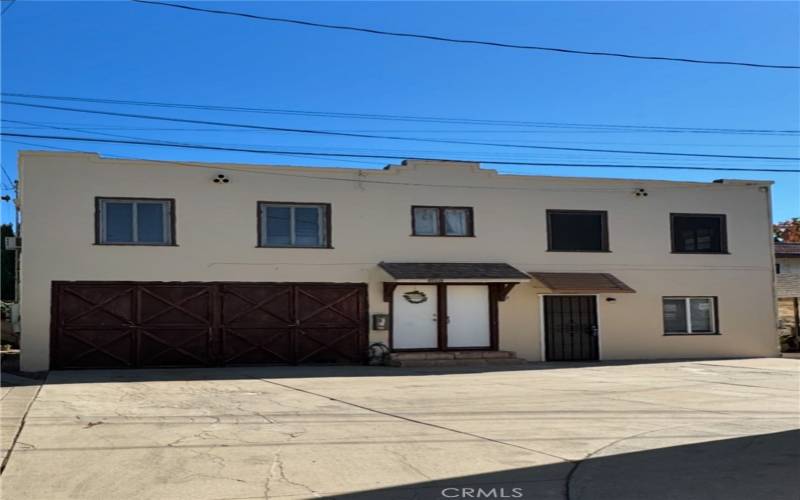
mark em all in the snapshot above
pixel 570 323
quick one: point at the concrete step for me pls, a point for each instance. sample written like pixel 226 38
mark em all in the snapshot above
pixel 471 354
pixel 453 358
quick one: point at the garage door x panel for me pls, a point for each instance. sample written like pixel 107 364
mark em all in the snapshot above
pixel 133 324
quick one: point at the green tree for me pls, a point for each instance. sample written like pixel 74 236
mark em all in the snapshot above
pixel 6 264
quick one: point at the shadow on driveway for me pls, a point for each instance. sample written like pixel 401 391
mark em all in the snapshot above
pixel 761 467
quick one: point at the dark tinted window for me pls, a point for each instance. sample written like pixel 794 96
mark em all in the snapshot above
pixel 698 233
pixel 119 222
pixel 675 315
pixel 577 231
pixel 150 222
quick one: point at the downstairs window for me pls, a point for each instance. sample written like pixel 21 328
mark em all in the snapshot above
pixel 690 315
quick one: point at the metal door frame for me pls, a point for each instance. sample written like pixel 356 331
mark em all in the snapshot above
pixel 543 333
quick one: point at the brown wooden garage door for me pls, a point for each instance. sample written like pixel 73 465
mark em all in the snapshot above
pixel 146 324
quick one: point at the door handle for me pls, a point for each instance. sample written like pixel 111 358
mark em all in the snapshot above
pixel 594 331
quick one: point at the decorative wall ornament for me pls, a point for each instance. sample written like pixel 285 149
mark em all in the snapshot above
pixel 415 297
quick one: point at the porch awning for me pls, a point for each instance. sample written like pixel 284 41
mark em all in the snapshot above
pixel 582 282
pixel 453 271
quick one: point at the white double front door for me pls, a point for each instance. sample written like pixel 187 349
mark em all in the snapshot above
pixel 415 316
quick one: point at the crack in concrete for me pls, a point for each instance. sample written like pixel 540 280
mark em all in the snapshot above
pixel 278 466
pixel 754 368
pixel 578 463
pixel 404 460
pixel 25 446
pixel 207 454
pixel 22 421
pixel 415 421
pixel 270 474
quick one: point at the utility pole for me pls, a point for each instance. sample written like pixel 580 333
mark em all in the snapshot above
pixel 17 242
pixel 17 239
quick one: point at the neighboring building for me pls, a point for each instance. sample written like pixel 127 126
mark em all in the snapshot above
pixel 146 263
pixel 787 286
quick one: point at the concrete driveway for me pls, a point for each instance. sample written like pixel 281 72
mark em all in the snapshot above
pixel 702 429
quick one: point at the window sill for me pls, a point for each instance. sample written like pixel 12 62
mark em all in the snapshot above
pixel 578 251
pixel 442 235
pixel 700 253
pixel 293 247
pixel 135 244
pixel 687 334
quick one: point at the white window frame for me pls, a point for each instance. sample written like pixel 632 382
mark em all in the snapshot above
pixel 712 301
pixel 166 214
pixel 322 224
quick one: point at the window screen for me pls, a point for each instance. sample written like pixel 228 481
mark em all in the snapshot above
pixel 426 221
pixel 698 233
pixel 150 222
pixel 577 231
pixel 278 226
pixel 118 218
pixel 456 222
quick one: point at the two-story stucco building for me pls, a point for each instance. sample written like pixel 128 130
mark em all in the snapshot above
pixel 147 263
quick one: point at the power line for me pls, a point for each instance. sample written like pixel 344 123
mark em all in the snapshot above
pixel 393 153
pixel 91 127
pixel 5 173
pixel 166 143
pixel 354 155
pixel 100 126
pixel 394 138
pixel 438 38
pixel 361 180
pixel 411 118
pixel 8 6
pixel 452 155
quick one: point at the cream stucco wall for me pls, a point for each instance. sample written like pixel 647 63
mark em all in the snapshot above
pixel 216 240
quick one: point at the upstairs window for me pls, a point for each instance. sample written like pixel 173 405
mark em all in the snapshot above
pixel 442 221
pixel 296 225
pixel 690 315
pixel 698 233
pixel 141 221
pixel 577 231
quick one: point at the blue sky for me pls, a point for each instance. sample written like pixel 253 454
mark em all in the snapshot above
pixel 124 50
